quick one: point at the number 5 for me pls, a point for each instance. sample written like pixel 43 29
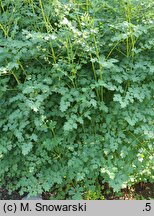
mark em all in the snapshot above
pixel 148 206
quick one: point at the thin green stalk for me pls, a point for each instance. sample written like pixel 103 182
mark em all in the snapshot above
pixel 112 50
pixel 32 5
pixel 80 26
pixel 8 25
pixel 130 41
pixel 121 52
pixel 74 85
pixel 94 72
pixel 1 5
pixel 87 5
pixel 131 34
pixel 53 132
pixel 47 28
pixel 140 142
pixel 43 15
pixel 70 55
pixel 4 30
pixel 127 47
pixel 20 64
pixel 16 78
pixel 100 68
pixel 53 55
pixel 133 43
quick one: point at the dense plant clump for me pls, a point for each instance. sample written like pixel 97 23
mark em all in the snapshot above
pixel 76 95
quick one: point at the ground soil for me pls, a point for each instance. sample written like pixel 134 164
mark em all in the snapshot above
pixel 141 191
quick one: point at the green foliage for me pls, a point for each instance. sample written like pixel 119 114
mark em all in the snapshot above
pixel 76 95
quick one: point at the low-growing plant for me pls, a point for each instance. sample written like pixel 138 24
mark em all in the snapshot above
pixel 76 96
